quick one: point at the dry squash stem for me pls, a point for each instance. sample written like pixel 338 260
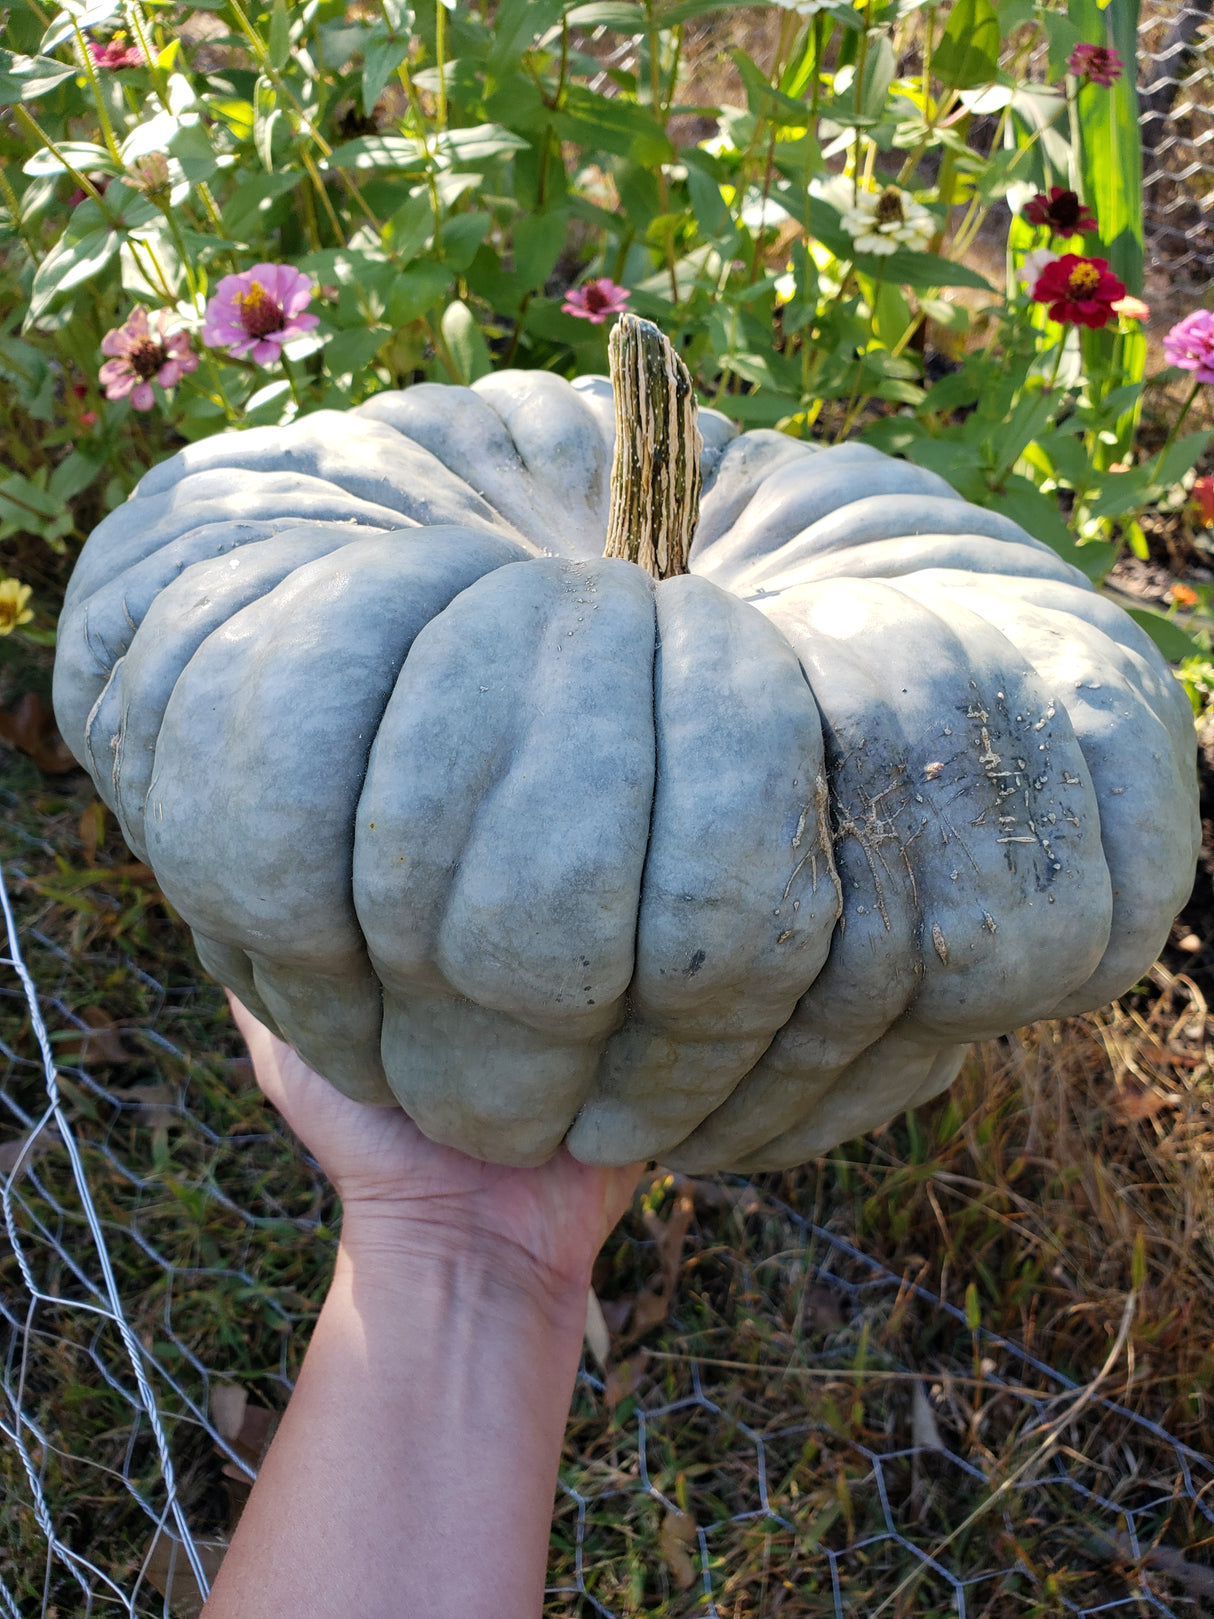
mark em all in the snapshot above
pixel 655 475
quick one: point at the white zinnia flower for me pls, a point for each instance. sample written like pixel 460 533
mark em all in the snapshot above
pixel 883 221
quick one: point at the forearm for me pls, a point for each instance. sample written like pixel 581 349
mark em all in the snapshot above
pixel 414 1470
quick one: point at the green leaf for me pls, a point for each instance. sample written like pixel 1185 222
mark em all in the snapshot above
pixel 762 409
pixel 1029 417
pixel 1121 492
pixel 73 475
pixel 279 46
pixel 619 15
pixel 920 270
pixel 1179 458
pixel 349 353
pixel 599 122
pixel 880 66
pixel 1111 142
pixel 378 152
pixel 416 290
pixel 83 156
pixel 1172 640
pixel 412 225
pixel 537 241
pixel 69 263
pixel 958 388
pixel 248 212
pixel 466 342
pixel 968 52
pixel 480 143
pixel 462 234
pixel 25 78
pixel 266 115
pixel 383 53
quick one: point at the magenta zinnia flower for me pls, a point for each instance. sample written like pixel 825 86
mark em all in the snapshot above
pixel 137 358
pixel 115 53
pixel 1062 211
pixel 1099 63
pixel 259 310
pixel 1079 291
pixel 1190 345
pixel 596 301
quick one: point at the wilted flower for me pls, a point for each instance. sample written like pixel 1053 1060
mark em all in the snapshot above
pixel 1062 211
pixel 881 221
pixel 150 174
pixel 13 611
pixel 115 53
pixel 1203 498
pixel 1190 345
pixel 1099 63
pixel 137 358
pixel 259 310
pixel 596 301
pixel 1079 291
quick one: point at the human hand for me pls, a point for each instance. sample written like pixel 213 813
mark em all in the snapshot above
pixel 544 1225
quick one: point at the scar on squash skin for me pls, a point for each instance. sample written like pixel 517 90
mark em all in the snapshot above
pixel 820 805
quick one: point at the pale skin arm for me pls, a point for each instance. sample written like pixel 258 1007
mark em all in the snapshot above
pixel 414 1471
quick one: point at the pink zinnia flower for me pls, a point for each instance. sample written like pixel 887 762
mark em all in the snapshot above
pixel 596 301
pixel 115 53
pixel 1099 63
pixel 137 358
pixel 259 310
pixel 1079 291
pixel 1190 345
pixel 1062 211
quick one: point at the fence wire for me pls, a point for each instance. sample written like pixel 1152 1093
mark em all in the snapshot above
pixel 133 1441
pixel 1176 104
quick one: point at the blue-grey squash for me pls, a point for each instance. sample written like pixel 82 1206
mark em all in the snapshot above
pixel 721 867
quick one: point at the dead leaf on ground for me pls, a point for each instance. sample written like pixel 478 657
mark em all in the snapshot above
pixel 247 1428
pixel 598 1337
pixel 99 1043
pixel 168 1570
pixel 925 1433
pixel 26 1149
pixel 678 1531
pixel 615 1313
pixel 625 1379
pixel 92 830
pixel 1133 1102
pixel 31 728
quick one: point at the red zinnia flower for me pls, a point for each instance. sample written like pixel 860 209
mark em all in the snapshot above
pixel 1079 291
pixel 1062 211
pixel 1099 63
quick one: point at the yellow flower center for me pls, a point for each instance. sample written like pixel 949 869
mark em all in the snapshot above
pixel 259 313
pixel 1083 280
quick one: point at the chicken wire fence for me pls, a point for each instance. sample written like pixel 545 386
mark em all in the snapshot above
pixel 129 1297
pixel 1176 106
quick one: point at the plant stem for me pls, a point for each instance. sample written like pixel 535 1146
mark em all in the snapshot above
pixel 655 473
